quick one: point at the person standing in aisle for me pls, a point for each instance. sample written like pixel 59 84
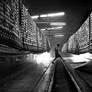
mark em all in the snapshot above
pixel 57 55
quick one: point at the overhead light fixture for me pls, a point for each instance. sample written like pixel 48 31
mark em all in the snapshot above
pixel 56 14
pixel 43 29
pixel 58 24
pixel 44 15
pixel 35 17
pixel 53 28
pixel 53 14
pixel 58 35
pixel 57 27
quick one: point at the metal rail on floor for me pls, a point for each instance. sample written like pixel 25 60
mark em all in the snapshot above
pixel 72 76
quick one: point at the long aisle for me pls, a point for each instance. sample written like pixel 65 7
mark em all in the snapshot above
pixel 62 81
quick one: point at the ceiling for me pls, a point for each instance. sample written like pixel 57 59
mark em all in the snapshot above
pixel 76 11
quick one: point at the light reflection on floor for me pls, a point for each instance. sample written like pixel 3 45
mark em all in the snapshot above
pixel 43 58
pixel 86 57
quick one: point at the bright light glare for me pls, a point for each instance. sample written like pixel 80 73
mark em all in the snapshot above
pixel 56 14
pixel 58 35
pixel 57 24
pixel 44 15
pixel 53 28
pixel 44 58
pixel 81 58
pixel 34 17
pixel 43 29
pixel 53 14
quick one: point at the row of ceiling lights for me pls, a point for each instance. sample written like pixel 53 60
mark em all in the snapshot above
pixel 57 25
pixel 48 15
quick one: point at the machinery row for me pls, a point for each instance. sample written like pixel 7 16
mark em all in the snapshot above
pixel 81 41
pixel 18 30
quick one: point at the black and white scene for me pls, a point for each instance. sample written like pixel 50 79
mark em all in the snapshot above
pixel 45 46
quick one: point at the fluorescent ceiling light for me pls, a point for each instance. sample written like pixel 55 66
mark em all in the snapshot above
pixel 44 15
pixel 57 24
pixel 56 14
pixel 34 17
pixel 58 35
pixel 53 28
pixel 43 29
pixel 53 14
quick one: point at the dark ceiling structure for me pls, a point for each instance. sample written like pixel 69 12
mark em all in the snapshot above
pixel 76 12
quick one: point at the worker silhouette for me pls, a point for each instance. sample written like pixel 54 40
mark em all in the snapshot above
pixel 57 55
